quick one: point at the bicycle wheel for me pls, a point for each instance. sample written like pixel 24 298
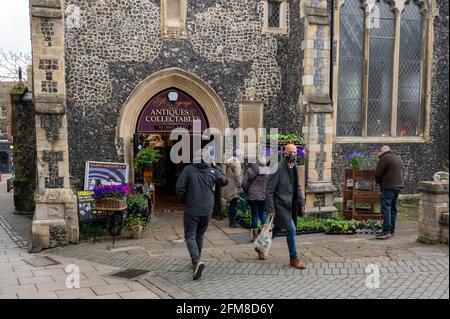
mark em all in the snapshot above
pixel 115 223
pixel 149 210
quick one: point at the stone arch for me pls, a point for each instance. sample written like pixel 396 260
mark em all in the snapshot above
pixel 155 83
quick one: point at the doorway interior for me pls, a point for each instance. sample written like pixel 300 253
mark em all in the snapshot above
pixel 165 172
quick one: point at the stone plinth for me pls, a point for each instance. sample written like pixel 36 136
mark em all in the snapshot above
pixel 433 212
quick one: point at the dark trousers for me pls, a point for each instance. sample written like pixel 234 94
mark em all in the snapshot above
pixel 389 208
pixel 232 209
pixel 194 231
pixel 258 208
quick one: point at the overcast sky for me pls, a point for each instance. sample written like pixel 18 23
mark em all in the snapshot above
pixel 15 26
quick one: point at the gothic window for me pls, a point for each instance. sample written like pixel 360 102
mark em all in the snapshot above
pixel 275 16
pixel 380 73
pixel 173 18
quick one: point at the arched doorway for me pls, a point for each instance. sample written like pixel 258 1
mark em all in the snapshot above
pixel 166 111
pixel 156 86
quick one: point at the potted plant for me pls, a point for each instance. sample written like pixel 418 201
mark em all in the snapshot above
pixel 111 197
pixel 135 224
pixel 356 160
pixel 339 226
pixel 286 139
pixel 144 161
pixel 146 157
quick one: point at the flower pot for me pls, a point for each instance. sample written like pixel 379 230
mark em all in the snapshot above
pixel 136 231
pixel 110 204
pixel 148 175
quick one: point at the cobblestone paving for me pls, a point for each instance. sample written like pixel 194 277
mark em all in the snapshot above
pixel 171 277
pixel 301 285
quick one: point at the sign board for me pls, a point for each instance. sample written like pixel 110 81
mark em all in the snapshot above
pixel 102 173
pixel 86 207
pixel 168 110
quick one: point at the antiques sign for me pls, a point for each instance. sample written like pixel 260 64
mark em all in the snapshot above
pixel 101 173
pixel 169 110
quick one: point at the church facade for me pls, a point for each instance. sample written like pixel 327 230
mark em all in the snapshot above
pixel 347 75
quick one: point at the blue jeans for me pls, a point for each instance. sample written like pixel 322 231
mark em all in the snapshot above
pixel 389 208
pixel 290 239
pixel 232 209
pixel 258 208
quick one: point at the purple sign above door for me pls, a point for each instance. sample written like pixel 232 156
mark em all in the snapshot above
pixel 168 110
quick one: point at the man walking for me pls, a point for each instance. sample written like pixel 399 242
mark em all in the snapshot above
pixel 283 200
pixel 389 174
pixel 196 187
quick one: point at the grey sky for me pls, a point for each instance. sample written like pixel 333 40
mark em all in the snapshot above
pixel 14 26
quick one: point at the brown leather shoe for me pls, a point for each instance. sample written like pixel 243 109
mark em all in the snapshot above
pixel 296 263
pixel 261 255
pixel 254 232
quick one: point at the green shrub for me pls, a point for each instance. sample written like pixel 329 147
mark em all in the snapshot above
pixel 136 203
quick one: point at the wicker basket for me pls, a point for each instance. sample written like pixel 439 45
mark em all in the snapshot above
pixel 110 204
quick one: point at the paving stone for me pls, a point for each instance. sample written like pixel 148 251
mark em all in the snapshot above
pixel 35 280
pixel 139 295
pixel 38 295
pixel 110 289
pixel 75 293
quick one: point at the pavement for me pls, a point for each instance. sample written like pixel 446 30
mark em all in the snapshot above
pixel 338 266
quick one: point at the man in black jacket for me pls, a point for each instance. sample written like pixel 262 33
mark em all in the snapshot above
pixel 284 200
pixel 196 187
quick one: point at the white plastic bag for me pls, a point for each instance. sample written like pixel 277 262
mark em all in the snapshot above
pixel 264 240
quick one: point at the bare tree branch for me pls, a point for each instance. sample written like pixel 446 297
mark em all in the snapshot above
pixel 10 62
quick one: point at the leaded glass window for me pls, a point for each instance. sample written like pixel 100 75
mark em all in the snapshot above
pixel 351 53
pixel 274 14
pixel 409 116
pixel 380 69
pixel 381 54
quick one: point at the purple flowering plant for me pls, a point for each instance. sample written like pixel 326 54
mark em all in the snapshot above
pixel 300 160
pixel 111 191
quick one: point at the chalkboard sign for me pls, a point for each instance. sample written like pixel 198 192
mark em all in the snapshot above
pixel 86 207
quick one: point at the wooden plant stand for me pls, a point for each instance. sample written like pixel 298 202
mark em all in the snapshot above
pixel 360 196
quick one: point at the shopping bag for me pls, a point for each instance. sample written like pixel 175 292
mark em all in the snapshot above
pixel 264 240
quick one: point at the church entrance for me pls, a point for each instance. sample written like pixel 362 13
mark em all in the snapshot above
pixel 167 110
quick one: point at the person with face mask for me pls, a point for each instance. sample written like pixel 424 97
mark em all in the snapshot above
pixel 283 201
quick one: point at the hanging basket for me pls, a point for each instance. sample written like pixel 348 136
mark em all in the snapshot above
pixel 110 204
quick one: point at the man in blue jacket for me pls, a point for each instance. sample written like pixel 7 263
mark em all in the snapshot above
pixel 196 187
